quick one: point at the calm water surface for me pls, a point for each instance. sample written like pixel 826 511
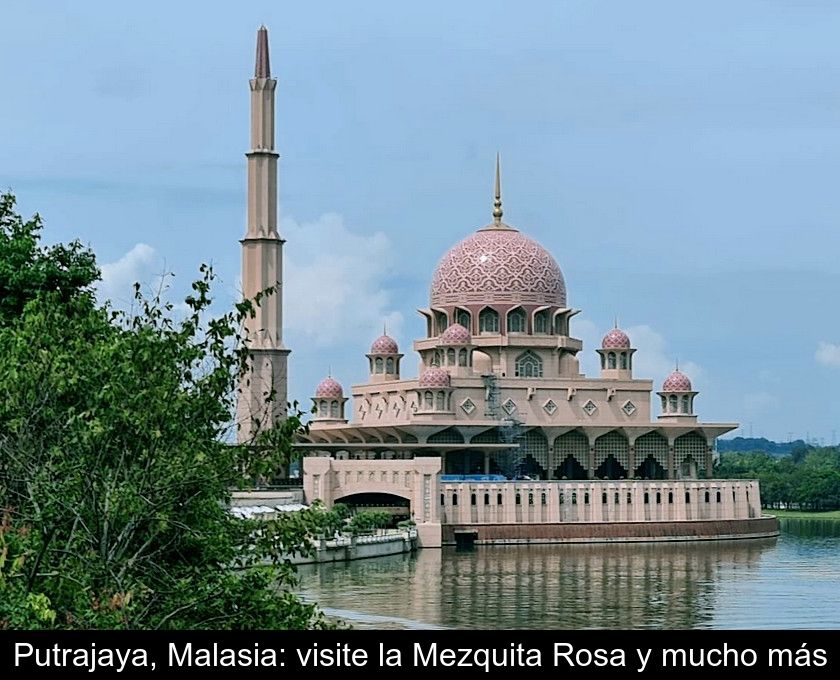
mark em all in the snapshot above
pixel 789 582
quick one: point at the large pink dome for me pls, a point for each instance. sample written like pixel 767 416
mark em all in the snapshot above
pixel 329 389
pixel 498 265
pixel 676 382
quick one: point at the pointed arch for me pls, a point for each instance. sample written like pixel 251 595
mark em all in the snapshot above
pixel 612 456
pixel 517 321
pixel 488 320
pixel 572 452
pixel 528 365
pixel 651 456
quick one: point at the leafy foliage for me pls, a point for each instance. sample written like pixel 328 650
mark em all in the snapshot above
pixel 115 466
pixel 27 269
pixel 367 521
pixel 807 479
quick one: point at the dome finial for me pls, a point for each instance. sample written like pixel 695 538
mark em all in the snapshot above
pixel 497 202
pixel 615 319
pixel 676 364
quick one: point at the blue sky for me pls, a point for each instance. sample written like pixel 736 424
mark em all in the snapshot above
pixel 679 160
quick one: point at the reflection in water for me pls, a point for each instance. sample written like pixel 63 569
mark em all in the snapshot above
pixel 681 585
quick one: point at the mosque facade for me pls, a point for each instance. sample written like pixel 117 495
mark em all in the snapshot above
pixel 500 437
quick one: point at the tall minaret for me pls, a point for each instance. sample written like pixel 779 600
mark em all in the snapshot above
pixel 262 263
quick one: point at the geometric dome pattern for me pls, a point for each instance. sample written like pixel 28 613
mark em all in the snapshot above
pixel 329 389
pixel 434 377
pixel 384 344
pixel 676 382
pixel 498 265
pixel 616 339
pixel 455 334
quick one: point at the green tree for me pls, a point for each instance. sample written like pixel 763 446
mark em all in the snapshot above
pixel 28 269
pixel 115 466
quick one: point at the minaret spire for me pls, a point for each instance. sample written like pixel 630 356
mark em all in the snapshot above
pixel 262 264
pixel 497 202
pixel 262 69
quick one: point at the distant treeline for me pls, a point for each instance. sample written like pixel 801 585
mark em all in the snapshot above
pixel 749 444
pixel 806 479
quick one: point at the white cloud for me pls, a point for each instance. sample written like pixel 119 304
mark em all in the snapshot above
pixel 118 278
pixel 652 360
pixel 828 354
pixel 335 282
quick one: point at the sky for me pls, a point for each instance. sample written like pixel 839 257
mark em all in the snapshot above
pixel 679 160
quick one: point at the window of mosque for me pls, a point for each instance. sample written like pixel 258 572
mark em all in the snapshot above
pixel 541 322
pixel 672 402
pixel 658 498
pixel 670 497
pixel 428 398
pixel 378 364
pixel 437 359
pixel 717 494
pixel 467 406
pixel 574 498
pixel 441 401
pixel 647 498
pixel 516 321
pixel 604 498
pixel 488 321
pixel 462 357
pixel 463 317
pixel 442 322
pixel 518 499
pixel 629 498
pixel 487 499
pixel 389 365
pixel 707 498
pixel 530 498
pixel 509 406
pixel 589 407
pixel 528 365
pixel 685 405
pixel 550 407
pixel 586 498
pixel 623 360
pixel 611 360
pixel 450 357
pixel 687 497
pixel 543 499
pixel 472 499
pixel 629 408
pixel 498 499
pixel 454 499
pixel 334 409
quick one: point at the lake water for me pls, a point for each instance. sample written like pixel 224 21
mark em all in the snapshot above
pixel 789 582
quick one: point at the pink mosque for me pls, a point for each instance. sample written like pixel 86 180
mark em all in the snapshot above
pixel 501 438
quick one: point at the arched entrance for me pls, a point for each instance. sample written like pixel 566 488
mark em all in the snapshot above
pixel 398 507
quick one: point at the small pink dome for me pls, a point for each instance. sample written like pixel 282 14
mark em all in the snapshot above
pixel 498 266
pixel 384 344
pixel 434 377
pixel 329 389
pixel 455 334
pixel 676 382
pixel 616 339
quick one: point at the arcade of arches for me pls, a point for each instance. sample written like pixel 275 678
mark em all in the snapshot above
pixel 574 455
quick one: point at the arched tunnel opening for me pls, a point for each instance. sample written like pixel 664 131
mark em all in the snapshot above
pixel 399 508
